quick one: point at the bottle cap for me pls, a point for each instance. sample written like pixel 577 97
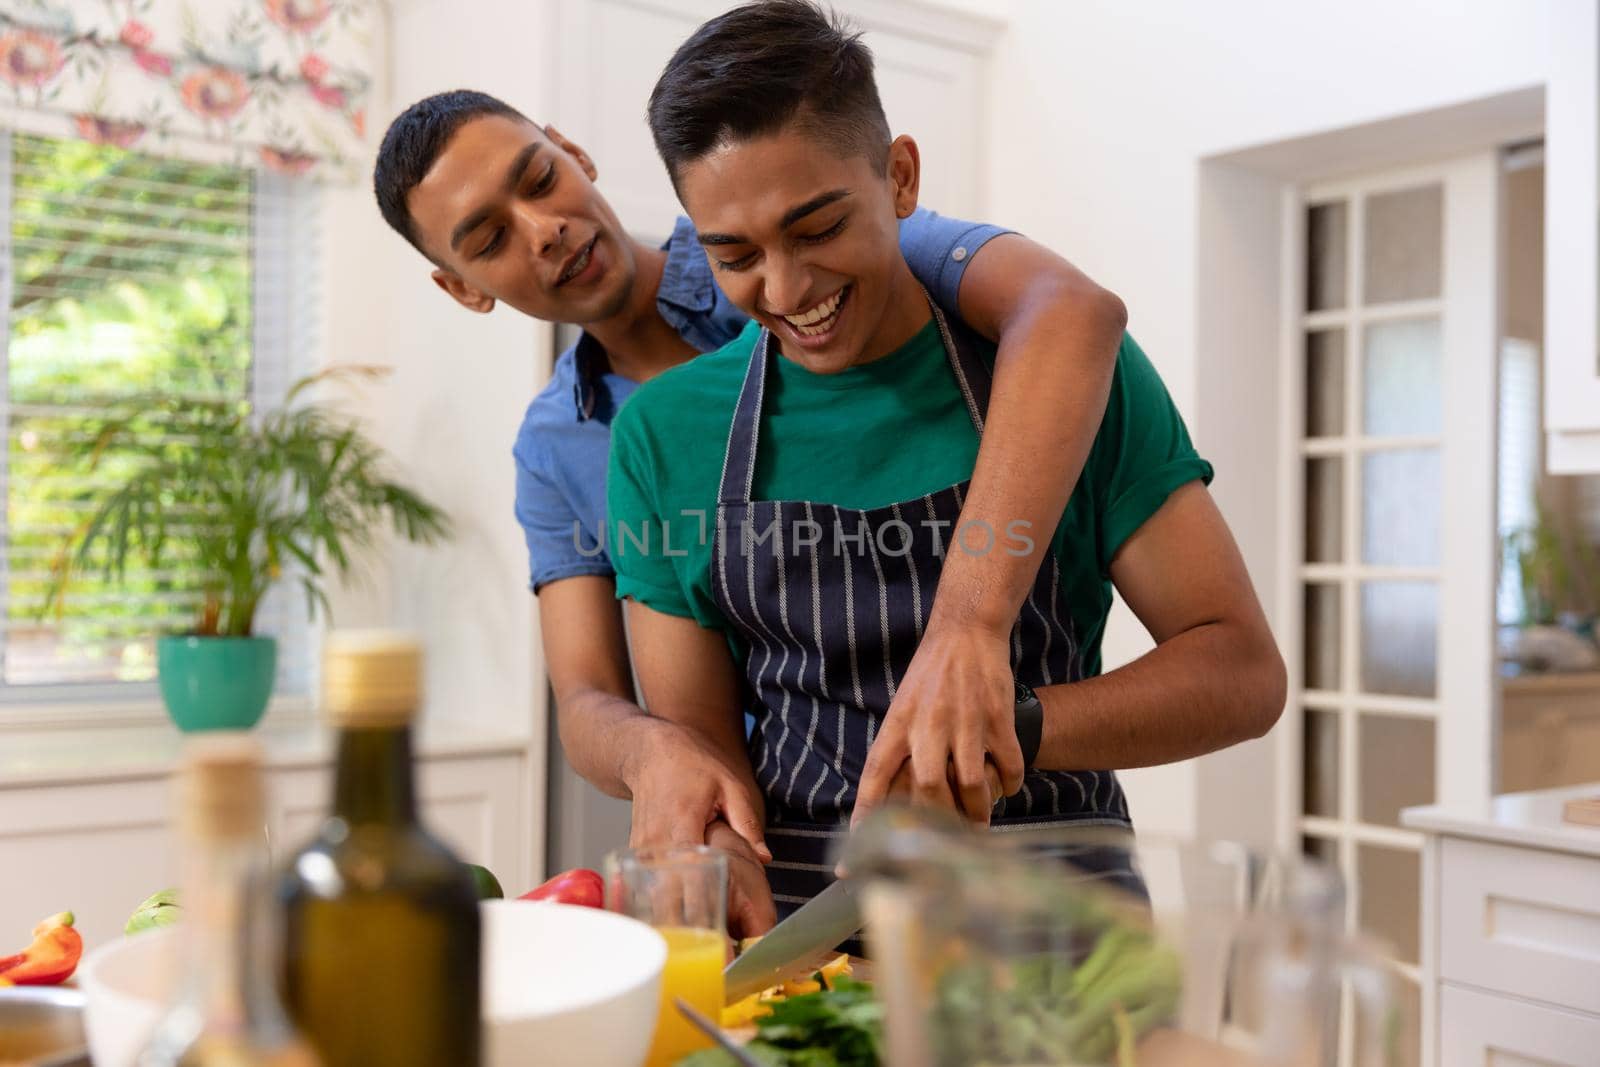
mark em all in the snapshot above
pixel 220 789
pixel 371 678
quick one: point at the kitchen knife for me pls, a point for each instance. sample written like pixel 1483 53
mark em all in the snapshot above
pixel 799 944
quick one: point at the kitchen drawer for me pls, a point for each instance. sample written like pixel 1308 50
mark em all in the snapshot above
pixel 1521 921
pixel 1478 1029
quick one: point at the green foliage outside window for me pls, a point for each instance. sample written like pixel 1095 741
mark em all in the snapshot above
pixel 130 274
pixel 145 492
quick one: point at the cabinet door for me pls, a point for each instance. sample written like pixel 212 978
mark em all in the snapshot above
pixel 1522 921
pixel 930 68
pixel 1481 1030
pixel 96 850
pixel 475 804
pixel 1572 240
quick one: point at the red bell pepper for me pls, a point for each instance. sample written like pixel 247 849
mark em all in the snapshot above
pixel 51 958
pixel 581 886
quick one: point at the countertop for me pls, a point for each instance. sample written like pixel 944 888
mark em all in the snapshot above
pixel 46 757
pixel 1532 820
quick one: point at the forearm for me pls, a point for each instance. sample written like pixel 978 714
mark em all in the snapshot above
pixel 1053 372
pixel 1209 687
pixel 689 680
pixel 608 739
pixel 602 736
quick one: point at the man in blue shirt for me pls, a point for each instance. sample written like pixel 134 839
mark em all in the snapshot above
pixel 507 212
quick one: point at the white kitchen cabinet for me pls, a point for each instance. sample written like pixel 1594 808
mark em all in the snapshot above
pixel 930 71
pixel 470 802
pixel 95 849
pixel 1511 933
pixel 1519 920
pixel 96 839
pixel 1481 1030
pixel 1572 240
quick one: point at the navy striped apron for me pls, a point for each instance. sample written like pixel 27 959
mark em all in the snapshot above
pixel 832 603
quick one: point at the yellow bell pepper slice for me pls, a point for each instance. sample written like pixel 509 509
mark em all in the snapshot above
pixel 745 1012
pixel 837 967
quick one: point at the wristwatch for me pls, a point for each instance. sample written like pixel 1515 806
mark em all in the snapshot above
pixel 1030 723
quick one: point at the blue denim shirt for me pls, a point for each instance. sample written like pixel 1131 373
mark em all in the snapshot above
pixel 564 444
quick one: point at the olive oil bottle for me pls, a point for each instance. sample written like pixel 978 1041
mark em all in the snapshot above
pixel 381 920
pixel 226 1012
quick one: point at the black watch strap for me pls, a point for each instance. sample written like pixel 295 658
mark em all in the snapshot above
pixel 1030 723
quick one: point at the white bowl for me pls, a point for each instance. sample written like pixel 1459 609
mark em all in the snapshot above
pixel 562 985
pixel 566 986
pixel 127 984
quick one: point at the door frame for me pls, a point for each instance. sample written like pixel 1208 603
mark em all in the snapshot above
pixel 1465 708
pixel 1470 311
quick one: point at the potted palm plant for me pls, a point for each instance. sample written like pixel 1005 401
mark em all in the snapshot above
pixel 246 499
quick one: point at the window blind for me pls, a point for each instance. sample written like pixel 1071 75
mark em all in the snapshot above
pixel 127 273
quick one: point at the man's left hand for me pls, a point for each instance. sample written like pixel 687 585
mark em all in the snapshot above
pixel 952 714
pixel 751 911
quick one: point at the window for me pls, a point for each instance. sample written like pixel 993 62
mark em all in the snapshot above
pixel 1520 437
pixel 128 273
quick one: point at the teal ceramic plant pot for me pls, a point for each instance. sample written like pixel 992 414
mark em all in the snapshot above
pixel 216 683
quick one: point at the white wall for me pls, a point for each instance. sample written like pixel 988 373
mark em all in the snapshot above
pixel 1101 114
pixel 450 411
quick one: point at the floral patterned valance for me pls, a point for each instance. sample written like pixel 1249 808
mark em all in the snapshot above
pixel 277 83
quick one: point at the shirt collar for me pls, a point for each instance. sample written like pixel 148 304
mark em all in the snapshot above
pixel 686 291
pixel 590 363
pixel 686 284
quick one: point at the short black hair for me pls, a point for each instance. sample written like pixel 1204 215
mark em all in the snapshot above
pixel 413 143
pixel 753 70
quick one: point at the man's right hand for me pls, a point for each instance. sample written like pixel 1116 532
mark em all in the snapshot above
pixel 902 788
pixel 680 786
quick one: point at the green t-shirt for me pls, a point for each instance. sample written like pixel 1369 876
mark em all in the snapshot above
pixel 890 431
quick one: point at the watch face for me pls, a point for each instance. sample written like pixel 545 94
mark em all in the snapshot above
pixel 1024 694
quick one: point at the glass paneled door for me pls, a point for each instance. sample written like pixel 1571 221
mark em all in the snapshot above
pixel 1392 355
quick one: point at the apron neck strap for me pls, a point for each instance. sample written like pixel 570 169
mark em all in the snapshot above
pixel 739 461
pixel 972 374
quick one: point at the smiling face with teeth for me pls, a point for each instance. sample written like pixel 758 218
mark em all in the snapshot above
pixel 805 239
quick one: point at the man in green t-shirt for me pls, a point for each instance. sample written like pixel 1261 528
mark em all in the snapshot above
pixel 782 508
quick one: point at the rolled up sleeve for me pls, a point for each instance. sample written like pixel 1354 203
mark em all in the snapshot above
pixel 558 544
pixel 938 248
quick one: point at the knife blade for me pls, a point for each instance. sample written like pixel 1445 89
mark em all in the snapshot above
pixel 799 944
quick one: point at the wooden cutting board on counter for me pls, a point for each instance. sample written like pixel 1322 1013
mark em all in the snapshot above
pixel 1583 811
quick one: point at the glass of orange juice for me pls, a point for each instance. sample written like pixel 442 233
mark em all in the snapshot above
pixel 683 893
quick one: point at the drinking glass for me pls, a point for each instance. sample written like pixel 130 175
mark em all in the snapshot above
pixel 683 893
